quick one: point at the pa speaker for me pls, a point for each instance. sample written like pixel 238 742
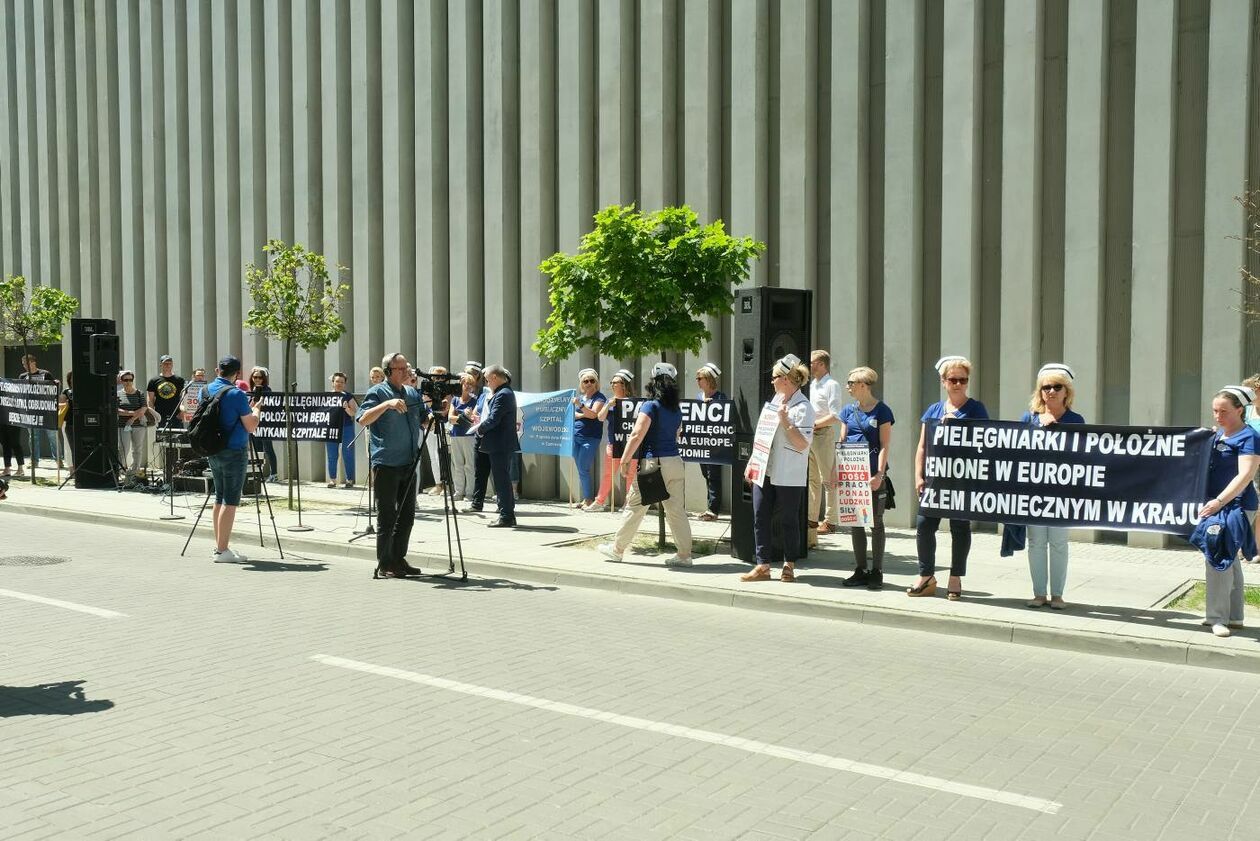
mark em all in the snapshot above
pixel 768 324
pixel 81 332
pixel 103 354
pixel 95 442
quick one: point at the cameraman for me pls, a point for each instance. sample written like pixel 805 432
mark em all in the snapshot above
pixel 394 413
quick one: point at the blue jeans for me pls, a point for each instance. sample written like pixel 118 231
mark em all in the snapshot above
pixel 347 454
pixel 42 436
pixel 713 482
pixel 228 469
pixel 267 448
pixel 584 452
pixel 1046 543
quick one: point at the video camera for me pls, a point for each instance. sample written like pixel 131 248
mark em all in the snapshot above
pixel 438 387
pixel 4 487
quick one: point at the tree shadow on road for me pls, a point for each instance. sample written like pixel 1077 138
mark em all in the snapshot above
pixel 64 698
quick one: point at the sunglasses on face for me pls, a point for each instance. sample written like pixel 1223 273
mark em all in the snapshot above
pixel 588 382
pixel 852 383
pixel 957 380
pixel 1052 387
pixel 129 379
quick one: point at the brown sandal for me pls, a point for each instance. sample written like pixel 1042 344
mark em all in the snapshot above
pixel 927 588
pixel 787 575
pixel 757 573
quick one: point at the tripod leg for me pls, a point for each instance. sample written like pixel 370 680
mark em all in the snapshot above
pixel 197 521
pixel 270 513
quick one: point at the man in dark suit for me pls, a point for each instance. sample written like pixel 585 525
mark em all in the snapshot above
pixel 496 437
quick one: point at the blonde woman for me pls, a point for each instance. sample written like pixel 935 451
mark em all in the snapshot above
pixel 955 373
pixel 622 384
pixel 778 500
pixel 376 376
pixel 588 431
pixel 462 412
pixel 1048 546
pixel 868 421
pixel 707 379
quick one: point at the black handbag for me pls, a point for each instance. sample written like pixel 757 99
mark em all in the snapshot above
pixel 651 483
pixel 890 494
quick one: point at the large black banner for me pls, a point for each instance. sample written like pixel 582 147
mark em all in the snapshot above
pixel 707 434
pixel 29 403
pixel 316 416
pixel 1081 476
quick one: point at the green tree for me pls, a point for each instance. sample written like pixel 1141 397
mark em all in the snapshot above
pixel 642 284
pixel 35 319
pixel 297 303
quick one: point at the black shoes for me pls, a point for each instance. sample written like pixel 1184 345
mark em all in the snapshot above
pixel 875 580
pixel 502 524
pixel 857 579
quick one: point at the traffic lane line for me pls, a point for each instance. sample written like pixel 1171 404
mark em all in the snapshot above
pixel 81 608
pixel 820 760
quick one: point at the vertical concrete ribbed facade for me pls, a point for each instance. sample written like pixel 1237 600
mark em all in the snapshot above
pixel 1017 181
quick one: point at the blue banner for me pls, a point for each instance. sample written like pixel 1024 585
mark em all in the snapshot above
pixel 546 422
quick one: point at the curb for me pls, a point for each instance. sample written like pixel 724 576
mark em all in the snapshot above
pixel 1040 636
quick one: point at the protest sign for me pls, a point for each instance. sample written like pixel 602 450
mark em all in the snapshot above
pixel 767 423
pixel 1080 476
pixel 315 416
pixel 29 403
pixel 545 422
pixel 853 485
pixel 707 433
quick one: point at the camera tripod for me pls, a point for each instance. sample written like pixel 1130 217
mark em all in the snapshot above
pixel 253 460
pixel 111 457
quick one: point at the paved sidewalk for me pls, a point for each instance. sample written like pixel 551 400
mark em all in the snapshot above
pixel 1114 592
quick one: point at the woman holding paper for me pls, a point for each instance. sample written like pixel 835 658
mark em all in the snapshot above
pixel 955 373
pixel 1047 546
pixel 868 421
pixel 621 383
pixel 779 498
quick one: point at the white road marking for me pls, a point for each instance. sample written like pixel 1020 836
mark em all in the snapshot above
pixel 836 763
pixel 81 608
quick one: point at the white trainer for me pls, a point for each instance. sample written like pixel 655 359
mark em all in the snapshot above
pixel 1221 630
pixel 675 561
pixel 609 551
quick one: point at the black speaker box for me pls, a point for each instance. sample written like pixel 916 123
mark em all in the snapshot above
pixel 768 324
pixel 92 392
pixel 103 354
pixel 95 441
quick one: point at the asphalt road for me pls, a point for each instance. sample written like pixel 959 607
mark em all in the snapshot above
pixel 148 695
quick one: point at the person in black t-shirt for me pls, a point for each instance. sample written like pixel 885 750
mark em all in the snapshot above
pixel 164 392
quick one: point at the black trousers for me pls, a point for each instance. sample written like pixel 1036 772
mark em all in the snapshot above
pixel 481 479
pixel 712 474
pixel 501 468
pixel 777 522
pixel 395 513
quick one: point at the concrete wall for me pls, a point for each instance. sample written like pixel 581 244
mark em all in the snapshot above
pixel 1019 181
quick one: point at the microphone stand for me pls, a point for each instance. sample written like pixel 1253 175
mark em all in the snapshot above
pixel 167 467
pixel 371 513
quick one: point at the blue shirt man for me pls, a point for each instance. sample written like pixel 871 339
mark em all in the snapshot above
pixel 393 412
pixel 238 417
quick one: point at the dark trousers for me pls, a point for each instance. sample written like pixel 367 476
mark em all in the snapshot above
pixel 712 474
pixel 877 536
pixel 11 441
pixel 267 448
pixel 777 522
pixel 501 469
pixel 925 537
pixel 395 513
pixel 481 478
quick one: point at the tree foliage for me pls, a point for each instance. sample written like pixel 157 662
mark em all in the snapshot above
pixel 295 299
pixel 642 284
pixel 37 319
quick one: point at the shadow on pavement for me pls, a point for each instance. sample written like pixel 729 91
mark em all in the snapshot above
pixel 485 585
pixel 280 566
pixel 65 698
pixel 548 529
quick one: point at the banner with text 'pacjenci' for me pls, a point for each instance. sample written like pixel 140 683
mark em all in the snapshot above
pixel 707 433
pixel 316 416
pixel 29 403
pixel 1123 478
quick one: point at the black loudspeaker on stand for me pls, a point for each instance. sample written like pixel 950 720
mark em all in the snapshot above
pixel 768 324
pixel 94 348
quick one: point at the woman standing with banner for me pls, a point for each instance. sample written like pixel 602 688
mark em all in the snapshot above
pixel 346 446
pixel 955 373
pixel 588 431
pixel 707 378
pixel 868 421
pixel 260 384
pixel 656 433
pixel 778 500
pixel 1048 547
pixel 1235 457
pixel 622 384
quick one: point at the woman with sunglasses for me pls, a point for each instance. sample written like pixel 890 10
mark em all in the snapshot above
pixel 588 431
pixel 132 410
pixel 1047 546
pixel 955 373
pixel 622 384
pixel 707 379
pixel 868 422
pixel 260 384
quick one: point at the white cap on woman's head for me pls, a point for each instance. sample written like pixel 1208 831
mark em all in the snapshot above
pixel 473 367
pixel 710 369
pixel 1244 394
pixel 789 361
pixel 1056 368
pixel 624 375
pixel 664 369
pixel 591 372
pixel 946 362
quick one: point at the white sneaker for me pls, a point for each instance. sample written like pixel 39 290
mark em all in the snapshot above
pixel 593 507
pixel 609 551
pixel 21 473
pixel 227 556
pixel 675 561
pixel 1221 630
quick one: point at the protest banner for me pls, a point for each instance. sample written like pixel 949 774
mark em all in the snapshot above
pixel 767 424
pixel 544 422
pixel 853 485
pixel 707 433
pixel 316 416
pixel 1077 476
pixel 29 403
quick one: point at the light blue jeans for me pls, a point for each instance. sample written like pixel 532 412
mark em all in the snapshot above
pixel 1041 539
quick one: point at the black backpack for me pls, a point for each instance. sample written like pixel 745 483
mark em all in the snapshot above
pixel 205 432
